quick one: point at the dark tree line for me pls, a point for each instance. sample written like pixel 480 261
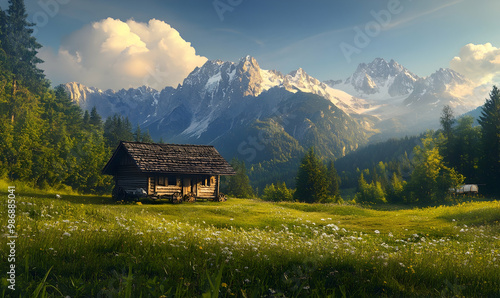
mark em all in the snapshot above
pixel 475 151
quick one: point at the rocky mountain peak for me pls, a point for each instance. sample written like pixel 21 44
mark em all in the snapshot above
pixel 378 79
pixel 447 76
pixel 79 93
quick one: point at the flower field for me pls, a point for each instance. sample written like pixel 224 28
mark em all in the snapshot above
pixel 84 246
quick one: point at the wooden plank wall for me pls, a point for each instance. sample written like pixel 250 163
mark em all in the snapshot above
pixel 168 190
pixel 208 192
pixel 129 178
pixel 199 190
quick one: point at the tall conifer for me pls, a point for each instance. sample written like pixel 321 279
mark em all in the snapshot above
pixel 490 127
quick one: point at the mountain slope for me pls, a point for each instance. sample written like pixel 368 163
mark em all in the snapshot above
pixel 302 121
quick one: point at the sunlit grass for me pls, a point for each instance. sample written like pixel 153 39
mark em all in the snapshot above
pixel 98 247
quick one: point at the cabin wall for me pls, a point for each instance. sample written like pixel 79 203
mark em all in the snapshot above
pixel 163 190
pixel 129 178
pixel 205 191
pixel 196 184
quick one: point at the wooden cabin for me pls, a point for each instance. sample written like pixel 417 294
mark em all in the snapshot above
pixel 167 170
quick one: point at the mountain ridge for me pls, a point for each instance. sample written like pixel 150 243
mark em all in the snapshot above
pixel 402 102
pixel 220 98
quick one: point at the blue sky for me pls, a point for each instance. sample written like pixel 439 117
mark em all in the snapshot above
pixel 286 34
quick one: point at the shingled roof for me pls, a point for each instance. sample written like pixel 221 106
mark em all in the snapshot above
pixel 170 159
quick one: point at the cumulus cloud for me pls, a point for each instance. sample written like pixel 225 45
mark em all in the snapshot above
pixel 112 54
pixel 480 63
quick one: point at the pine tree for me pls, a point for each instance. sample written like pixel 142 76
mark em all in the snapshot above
pixel 138 134
pixel 448 145
pixel 467 138
pixel 447 120
pixel 143 137
pixel 146 137
pixel 239 184
pixel 333 177
pixel 311 182
pixel 3 31
pixel 116 129
pixel 490 141
pixel 95 119
pixel 86 119
pixel 22 48
pixel 71 113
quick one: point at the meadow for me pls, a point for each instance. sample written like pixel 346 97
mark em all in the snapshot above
pixel 90 246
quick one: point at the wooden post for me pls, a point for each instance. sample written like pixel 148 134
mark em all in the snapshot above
pixel 186 185
pixel 217 187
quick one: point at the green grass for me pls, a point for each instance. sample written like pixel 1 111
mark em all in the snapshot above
pixel 87 246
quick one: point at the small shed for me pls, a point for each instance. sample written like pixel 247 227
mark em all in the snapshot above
pixel 159 170
pixel 467 188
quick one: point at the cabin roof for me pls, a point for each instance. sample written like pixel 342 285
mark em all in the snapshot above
pixel 170 159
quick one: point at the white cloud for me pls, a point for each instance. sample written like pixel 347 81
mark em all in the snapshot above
pixel 480 63
pixel 112 54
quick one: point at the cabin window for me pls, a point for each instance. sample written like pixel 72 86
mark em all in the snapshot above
pixel 172 180
pixel 161 181
pixel 209 180
pixel 205 181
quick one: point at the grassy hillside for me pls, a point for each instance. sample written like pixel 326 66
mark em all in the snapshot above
pixel 87 246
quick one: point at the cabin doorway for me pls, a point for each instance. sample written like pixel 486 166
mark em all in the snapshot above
pixel 189 185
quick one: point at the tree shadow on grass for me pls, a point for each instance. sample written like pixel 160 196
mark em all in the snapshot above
pixel 75 199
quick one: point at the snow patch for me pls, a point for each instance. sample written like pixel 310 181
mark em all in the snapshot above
pixel 199 126
pixel 213 83
pixel 270 80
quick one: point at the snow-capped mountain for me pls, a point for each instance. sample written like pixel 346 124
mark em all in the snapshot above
pixel 445 86
pixel 378 80
pixel 247 79
pixel 207 92
pixel 222 90
pixel 404 102
pixel 221 98
pixel 133 103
